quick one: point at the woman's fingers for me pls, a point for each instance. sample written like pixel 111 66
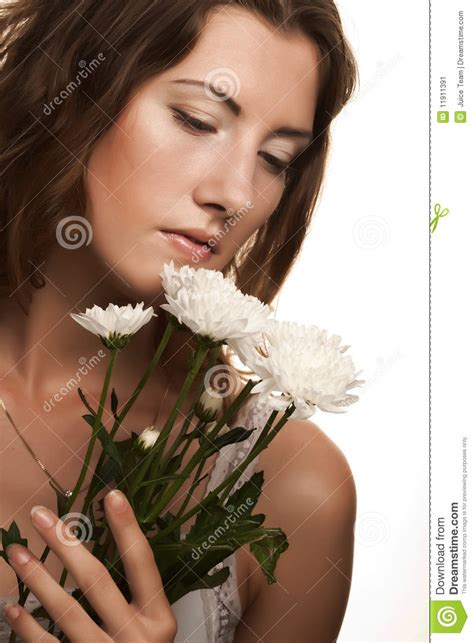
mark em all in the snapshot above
pixel 137 556
pixel 120 620
pixel 27 627
pixel 63 608
pixel 88 572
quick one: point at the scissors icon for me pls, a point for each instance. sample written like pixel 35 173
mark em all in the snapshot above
pixel 439 214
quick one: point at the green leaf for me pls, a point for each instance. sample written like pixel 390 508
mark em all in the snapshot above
pixel 107 442
pixel 113 402
pixel 238 434
pixel 176 591
pixel 212 580
pixel 146 483
pixel 90 419
pixel 163 522
pixel 174 464
pixel 60 501
pixel 187 564
pixel 268 549
pixel 85 402
pixel 9 537
pixel 109 472
pixel 248 494
pixel 190 563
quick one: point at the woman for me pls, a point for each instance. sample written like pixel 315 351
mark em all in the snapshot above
pixel 128 124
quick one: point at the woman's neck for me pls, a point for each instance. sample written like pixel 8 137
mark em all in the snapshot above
pixel 46 347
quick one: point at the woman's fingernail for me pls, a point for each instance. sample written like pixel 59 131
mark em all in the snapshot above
pixel 17 554
pixel 116 500
pixel 12 611
pixel 42 517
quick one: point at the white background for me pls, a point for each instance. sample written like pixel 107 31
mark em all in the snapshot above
pixel 363 274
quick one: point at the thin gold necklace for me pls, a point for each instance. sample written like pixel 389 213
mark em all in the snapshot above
pixel 67 493
pixel 55 484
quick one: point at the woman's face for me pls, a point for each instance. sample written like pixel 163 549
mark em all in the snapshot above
pixel 153 172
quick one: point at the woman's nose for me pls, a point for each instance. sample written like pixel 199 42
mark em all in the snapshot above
pixel 228 183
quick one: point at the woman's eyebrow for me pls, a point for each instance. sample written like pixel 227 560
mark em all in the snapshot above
pixel 236 109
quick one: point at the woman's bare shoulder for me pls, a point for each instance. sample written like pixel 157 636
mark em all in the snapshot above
pixel 302 454
pixel 309 492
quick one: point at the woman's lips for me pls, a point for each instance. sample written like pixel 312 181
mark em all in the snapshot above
pixel 187 246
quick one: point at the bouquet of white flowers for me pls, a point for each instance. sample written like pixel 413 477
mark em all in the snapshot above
pixel 300 369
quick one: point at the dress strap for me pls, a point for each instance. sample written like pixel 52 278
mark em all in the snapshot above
pixel 222 606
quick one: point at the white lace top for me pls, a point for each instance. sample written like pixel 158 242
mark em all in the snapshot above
pixel 206 615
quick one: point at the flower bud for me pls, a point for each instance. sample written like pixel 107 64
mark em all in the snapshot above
pixel 147 438
pixel 208 407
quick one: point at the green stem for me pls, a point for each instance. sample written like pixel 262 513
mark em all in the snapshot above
pixel 168 495
pixel 99 550
pixel 166 458
pixel 264 440
pixel 97 424
pixel 191 489
pixel 230 481
pixel 123 413
pixel 158 447
pixel 214 354
pixel 188 441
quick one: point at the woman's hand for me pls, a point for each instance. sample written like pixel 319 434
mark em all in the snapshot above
pixel 147 618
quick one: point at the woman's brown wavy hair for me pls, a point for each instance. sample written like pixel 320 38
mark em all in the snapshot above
pixel 43 44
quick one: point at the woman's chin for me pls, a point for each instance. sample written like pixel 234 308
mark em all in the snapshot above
pixel 130 287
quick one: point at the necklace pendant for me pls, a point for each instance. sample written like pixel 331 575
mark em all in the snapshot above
pixel 68 493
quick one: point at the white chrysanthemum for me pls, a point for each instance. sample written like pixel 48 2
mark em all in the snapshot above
pixel 115 324
pixel 300 364
pixel 210 304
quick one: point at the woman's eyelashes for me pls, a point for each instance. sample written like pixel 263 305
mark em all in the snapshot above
pixel 193 123
pixel 196 125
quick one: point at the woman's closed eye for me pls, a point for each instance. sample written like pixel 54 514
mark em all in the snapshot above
pixel 195 125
